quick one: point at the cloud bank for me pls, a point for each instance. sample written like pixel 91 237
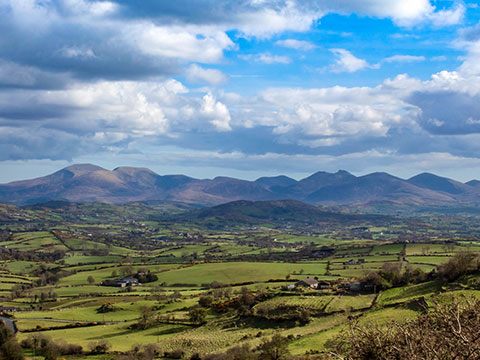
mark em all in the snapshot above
pixel 80 78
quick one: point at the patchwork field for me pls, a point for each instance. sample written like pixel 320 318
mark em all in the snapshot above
pixel 207 288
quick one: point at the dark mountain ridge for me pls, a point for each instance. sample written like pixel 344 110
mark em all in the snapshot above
pixel 272 211
pixel 90 183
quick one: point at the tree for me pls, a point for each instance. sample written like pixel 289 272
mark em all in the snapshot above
pixel 146 317
pixel 9 347
pixel 197 315
pixel 274 349
pixel 205 301
pixel 91 280
pixel 51 351
pixel 462 263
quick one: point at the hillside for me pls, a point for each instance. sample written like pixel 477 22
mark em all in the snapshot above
pixel 279 212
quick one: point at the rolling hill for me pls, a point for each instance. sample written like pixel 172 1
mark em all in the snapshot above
pixel 279 212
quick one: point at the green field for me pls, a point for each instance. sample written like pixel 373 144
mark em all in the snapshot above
pixel 237 272
pixel 244 276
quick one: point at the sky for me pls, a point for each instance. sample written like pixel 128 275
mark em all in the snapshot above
pixel 242 88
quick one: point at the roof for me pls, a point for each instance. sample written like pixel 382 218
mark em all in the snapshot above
pixel 309 281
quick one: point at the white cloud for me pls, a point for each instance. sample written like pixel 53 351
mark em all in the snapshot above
pixel 76 52
pixel 296 44
pixel 404 58
pixel 325 117
pixel 268 17
pixel 112 111
pixel 405 36
pixel 178 42
pixel 273 17
pixel 196 74
pixel 273 59
pixel 347 62
pixel 267 58
pixel 471 65
pixel 216 112
pixel 402 12
pixel 449 17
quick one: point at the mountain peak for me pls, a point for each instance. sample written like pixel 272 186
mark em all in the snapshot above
pixel 424 175
pixel 343 172
pixel 438 183
pixel 79 169
pixel 474 183
pixel 276 181
pixel 128 170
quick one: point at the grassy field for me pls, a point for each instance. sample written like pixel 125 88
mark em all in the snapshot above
pixel 99 275
pixel 402 294
pixel 314 303
pixel 236 272
pixel 335 327
pixel 251 266
pixel 387 249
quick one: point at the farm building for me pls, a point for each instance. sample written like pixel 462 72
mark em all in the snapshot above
pixel 121 282
pixel 353 262
pixel 308 282
pixel 353 286
pixel 322 284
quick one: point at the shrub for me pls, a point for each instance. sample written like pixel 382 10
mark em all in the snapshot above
pixel 175 354
pixel 197 315
pixel 139 352
pixel 99 347
pixel 448 332
pixel 205 301
pixel 106 308
pixel 236 353
pixel 460 264
pixel 274 349
pixel 49 348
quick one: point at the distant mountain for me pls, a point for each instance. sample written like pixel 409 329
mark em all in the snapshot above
pixel 90 183
pixel 303 188
pixel 473 183
pixel 438 183
pixel 376 187
pixel 322 179
pixel 276 182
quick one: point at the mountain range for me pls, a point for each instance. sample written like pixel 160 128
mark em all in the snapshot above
pixel 91 183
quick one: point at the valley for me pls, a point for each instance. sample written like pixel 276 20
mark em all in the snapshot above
pixel 207 280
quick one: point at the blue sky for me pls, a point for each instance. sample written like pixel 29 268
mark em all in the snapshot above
pixel 243 88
